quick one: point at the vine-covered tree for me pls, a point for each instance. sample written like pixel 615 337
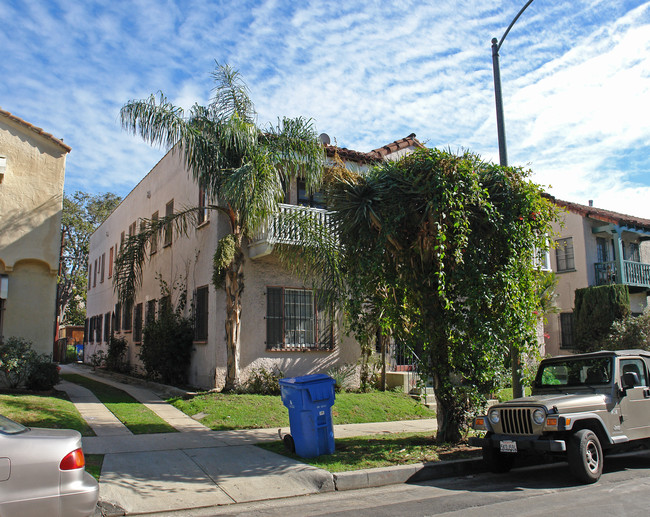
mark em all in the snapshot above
pixel 244 169
pixel 82 214
pixel 440 250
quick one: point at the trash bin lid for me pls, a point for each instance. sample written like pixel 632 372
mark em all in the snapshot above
pixel 306 379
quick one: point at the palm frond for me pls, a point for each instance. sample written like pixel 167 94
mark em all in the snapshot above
pixel 231 95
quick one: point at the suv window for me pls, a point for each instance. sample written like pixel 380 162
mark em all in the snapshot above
pixel 575 372
pixel 634 366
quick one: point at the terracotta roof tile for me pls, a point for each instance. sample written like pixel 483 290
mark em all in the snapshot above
pixel 607 216
pixel 35 129
pixel 376 154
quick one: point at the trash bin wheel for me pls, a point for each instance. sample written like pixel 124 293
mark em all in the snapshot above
pixel 289 443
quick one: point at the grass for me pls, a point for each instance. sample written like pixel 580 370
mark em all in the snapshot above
pixel 138 418
pixel 43 411
pixel 381 451
pixel 235 411
pixel 94 464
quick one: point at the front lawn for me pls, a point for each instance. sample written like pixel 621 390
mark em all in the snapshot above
pixel 136 416
pixel 43 411
pixel 365 452
pixel 234 411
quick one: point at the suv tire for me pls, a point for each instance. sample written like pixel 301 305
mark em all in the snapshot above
pixel 585 456
pixel 497 461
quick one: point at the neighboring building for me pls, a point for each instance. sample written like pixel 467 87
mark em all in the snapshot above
pixel 596 247
pixel 32 169
pixel 282 324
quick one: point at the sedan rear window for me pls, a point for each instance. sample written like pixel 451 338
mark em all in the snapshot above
pixel 10 427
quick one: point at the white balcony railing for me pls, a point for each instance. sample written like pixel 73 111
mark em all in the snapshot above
pixel 280 230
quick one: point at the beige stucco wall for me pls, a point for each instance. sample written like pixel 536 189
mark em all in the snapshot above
pixel 31 201
pixel 189 261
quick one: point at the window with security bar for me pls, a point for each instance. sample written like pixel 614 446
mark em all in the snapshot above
pixel 564 254
pixel 297 319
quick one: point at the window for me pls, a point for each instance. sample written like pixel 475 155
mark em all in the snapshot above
pixel 91 330
pixel 110 262
pixel 122 241
pixel 631 252
pixel 602 251
pixel 169 210
pixel 87 330
pixel 137 324
pixel 98 329
pixel 118 318
pixel 201 314
pixel 566 329
pixel 154 236
pixel 150 312
pixel 90 275
pixel 107 327
pixel 296 320
pixel 634 366
pixel 132 229
pixel 95 274
pixel 564 254
pixel 103 262
pixel 203 202
pixel 127 317
pixel 305 198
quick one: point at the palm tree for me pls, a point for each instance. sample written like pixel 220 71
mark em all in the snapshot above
pixel 244 169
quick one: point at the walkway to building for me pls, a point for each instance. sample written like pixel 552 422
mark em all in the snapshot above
pixel 195 467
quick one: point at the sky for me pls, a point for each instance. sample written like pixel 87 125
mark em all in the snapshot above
pixel 575 77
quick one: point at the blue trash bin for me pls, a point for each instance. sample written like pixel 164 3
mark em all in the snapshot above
pixel 309 400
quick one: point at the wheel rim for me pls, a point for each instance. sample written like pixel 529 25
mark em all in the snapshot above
pixel 592 457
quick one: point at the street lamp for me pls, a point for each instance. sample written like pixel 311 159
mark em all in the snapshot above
pixel 501 128
pixel 515 358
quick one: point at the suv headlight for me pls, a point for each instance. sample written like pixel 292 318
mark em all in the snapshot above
pixel 539 416
pixel 493 415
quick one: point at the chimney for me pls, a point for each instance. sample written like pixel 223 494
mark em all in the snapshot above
pixel 591 202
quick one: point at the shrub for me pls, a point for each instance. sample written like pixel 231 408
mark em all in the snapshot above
pixel 16 360
pixel 71 354
pixel 116 357
pixel 263 382
pixel 342 375
pixel 166 348
pixel 98 359
pixel 596 308
pixel 44 375
pixel 630 332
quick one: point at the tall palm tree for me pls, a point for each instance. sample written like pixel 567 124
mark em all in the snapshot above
pixel 244 169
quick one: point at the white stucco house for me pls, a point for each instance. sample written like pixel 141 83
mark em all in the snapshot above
pixel 281 323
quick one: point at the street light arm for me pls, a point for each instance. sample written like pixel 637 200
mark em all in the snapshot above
pixel 512 23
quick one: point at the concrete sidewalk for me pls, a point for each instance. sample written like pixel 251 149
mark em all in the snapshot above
pixel 197 467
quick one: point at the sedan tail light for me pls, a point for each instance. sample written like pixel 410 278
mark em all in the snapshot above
pixel 74 460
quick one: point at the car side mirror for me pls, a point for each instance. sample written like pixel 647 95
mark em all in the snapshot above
pixel 630 380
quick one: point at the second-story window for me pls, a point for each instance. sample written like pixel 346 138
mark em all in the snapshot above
pixel 154 236
pixel 564 254
pixel 203 202
pixel 103 267
pixel 311 199
pixel 111 258
pixel 169 210
pixel 602 251
pixel 631 252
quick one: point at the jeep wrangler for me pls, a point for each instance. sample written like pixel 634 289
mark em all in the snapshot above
pixel 581 406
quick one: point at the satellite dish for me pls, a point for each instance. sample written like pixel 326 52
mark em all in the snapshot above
pixel 324 138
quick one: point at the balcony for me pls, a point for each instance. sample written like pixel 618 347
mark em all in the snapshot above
pixel 634 274
pixel 279 231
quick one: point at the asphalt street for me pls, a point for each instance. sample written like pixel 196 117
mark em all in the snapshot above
pixel 624 490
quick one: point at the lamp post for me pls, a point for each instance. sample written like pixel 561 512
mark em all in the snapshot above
pixel 515 358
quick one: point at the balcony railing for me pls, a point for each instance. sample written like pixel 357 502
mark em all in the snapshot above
pixel 281 230
pixel 635 274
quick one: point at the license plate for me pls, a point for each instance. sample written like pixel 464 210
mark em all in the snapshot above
pixel 508 446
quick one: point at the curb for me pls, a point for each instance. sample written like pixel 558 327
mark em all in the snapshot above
pixel 383 476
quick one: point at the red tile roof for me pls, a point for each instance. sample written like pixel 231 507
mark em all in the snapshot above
pixel 606 216
pixel 374 155
pixel 35 129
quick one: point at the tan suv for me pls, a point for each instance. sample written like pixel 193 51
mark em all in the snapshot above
pixel 581 405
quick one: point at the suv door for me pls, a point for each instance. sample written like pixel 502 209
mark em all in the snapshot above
pixel 635 404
